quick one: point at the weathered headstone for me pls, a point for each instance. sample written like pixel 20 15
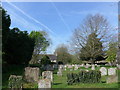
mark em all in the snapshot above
pixel 15 82
pixel 31 74
pixel 44 83
pixel 111 71
pixel 112 79
pixel 103 71
pixel 47 75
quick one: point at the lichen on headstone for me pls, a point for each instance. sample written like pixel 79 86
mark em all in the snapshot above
pixel 15 81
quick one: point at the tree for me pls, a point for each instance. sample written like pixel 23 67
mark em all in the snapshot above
pixel 63 54
pixel 112 53
pixel 93 26
pixel 93 49
pixel 6 21
pixel 41 43
pixel 45 60
pixel 19 47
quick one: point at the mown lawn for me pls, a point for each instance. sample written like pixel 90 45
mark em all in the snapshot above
pixel 61 82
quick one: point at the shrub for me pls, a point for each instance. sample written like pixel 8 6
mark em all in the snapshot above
pixel 84 77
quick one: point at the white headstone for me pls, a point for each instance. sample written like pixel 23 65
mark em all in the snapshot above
pixel 44 83
pixel 93 67
pixel 111 71
pixel 103 71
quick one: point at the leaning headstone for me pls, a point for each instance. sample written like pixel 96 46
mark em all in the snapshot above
pixel 112 79
pixel 103 71
pixel 31 74
pixel 111 71
pixel 15 82
pixel 47 75
pixel 44 83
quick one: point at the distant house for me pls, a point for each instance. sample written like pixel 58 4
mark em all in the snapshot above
pixel 52 57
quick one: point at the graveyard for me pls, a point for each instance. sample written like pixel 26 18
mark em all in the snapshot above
pixel 58 77
pixel 74 48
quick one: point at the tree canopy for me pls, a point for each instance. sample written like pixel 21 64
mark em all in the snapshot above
pixel 41 44
pixel 62 54
pixel 90 38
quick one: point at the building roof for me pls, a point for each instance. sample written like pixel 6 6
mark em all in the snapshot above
pixel 51 56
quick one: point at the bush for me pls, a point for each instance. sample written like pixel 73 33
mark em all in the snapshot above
pixel 84 77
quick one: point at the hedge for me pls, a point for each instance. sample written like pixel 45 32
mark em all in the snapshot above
pixel 91 76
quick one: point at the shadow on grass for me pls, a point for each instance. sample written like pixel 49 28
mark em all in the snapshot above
pixel 103 81
pixel 57 83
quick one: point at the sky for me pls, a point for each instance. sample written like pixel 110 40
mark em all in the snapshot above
pixel 58 19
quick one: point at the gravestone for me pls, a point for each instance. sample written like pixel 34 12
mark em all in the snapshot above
pixel 59 73
pixel 47 75
pixel 103 71
pixel 112 79
pixel 15 82
pixel 76 67
pixel 70 66
pixel 31 74
pixel 44 83
pixel 93 67
pixel 87 70
pixel 112 71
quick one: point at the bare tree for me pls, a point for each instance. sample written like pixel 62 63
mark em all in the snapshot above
pixel 96 24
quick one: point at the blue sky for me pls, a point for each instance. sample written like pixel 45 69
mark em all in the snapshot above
pixel 58 19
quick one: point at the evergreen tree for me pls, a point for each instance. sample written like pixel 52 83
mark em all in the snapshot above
pixel 93 50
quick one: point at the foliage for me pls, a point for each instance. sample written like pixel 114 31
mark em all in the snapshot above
pixel 19 47
pixel 41 43
pixel 112 52
pixel 92 49
pixel 84 77
pixel 45 60
pixel 62 54
pixel 89 38
pixel 6 21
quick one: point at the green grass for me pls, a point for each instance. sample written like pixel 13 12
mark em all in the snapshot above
pixel 61 82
